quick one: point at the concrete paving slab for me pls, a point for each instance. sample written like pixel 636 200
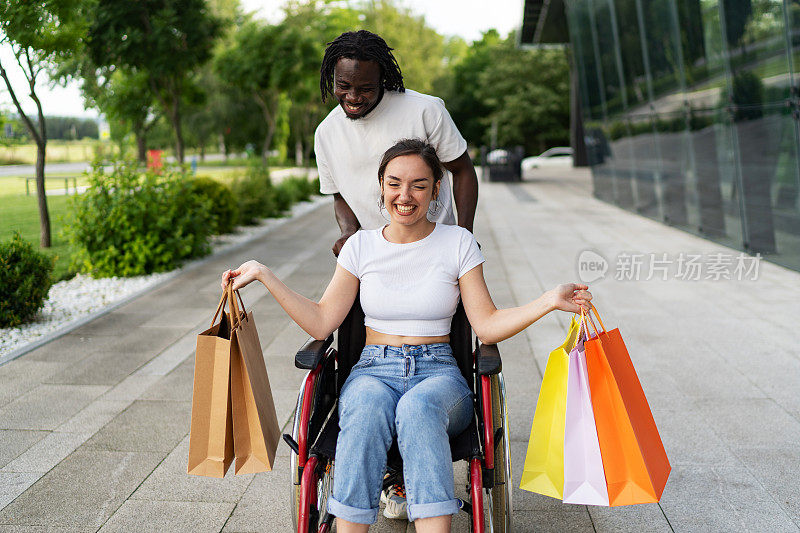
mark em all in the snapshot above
pixel 19 379
pixel 175 517
pixel 44 529
pixel 264 506
pixel 750 423
pixel 93 417
pixel 181 317
pixel 16 441
pixel 12 484
pixel 170 482
pixel 130 388
pixel 776 470
pixel 70 348
pixel 555 522
pixel 645 518
pixel 82 491
pixel 703 498
pixel 150 340
pixel 145 426
pixel 175 386
pixel 171 357
pixel 689 440
pixel 113 323
pixel 48 406
pixel 47 453
pixel 104 368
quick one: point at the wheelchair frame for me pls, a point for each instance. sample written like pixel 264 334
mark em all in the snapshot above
pixel 316 425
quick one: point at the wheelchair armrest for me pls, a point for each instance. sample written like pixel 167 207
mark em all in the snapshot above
pixel 488 358
pixel 312 352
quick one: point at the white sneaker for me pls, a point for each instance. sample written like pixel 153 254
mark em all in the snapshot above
pixel 396 505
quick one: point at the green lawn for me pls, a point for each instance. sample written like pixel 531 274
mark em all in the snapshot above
pixel 21 213
pixel 14 186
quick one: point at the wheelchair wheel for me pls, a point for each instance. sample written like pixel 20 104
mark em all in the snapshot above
pixel 324 483
pixel 499 498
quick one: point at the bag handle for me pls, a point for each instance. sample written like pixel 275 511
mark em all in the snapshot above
pixel 220 306
pixel 584 317
pixel 599 320
pixel 236 317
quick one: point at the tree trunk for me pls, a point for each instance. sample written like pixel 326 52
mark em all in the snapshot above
pixel 176 124
pixel 269 112
pixel 298 152
pixel 267 142
pixel 141 146
pixel 44 215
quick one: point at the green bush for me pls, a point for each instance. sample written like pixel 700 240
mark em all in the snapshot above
pixel 24 281
pixel 283 198
pixel 223 204
pixel 130 222
pixel 298 188
pixel 255 195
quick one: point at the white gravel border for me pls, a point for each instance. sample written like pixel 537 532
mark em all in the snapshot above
pixel 74 302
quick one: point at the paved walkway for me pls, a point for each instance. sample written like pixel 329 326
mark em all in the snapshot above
pixel 94 425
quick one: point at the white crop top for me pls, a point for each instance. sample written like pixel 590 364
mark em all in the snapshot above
pixel 411 289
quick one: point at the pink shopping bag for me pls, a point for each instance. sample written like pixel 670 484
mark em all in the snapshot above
pixel 584 477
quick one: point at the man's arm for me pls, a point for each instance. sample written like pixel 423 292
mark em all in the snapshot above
pixel 465 189
pixel 348 223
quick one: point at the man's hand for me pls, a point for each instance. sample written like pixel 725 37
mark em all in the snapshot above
pixel 348 223
pixel 337 246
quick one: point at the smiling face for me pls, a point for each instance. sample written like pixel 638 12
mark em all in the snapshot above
pixel 357 86
pixel 408 188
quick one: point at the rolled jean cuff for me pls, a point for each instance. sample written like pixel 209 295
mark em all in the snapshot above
pixel 352 514
pixel 428 510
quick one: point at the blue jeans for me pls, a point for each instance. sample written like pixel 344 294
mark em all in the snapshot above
pixel 414 393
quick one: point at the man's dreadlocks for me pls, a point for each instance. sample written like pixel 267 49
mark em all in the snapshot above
pixel 364 46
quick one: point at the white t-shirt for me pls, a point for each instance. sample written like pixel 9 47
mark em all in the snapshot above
pixel 349 151
pixel 411 289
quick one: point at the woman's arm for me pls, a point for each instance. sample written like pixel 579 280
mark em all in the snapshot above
pixel 317 319
pixel 493 325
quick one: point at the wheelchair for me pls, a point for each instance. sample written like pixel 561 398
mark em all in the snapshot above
pixel 484 444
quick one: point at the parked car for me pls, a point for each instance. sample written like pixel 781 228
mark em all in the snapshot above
pixel 498 156
pixel 559 156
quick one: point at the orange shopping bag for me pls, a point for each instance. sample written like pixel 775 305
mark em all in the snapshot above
pixel 634 459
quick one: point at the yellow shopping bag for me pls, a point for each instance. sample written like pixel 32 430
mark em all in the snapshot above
pixel 544 462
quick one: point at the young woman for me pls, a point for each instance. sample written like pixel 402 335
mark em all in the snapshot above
pixel 406 384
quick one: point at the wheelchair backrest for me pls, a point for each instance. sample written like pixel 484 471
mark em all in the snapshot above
pixel 352 335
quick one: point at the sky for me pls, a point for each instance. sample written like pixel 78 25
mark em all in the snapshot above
pixel 465 18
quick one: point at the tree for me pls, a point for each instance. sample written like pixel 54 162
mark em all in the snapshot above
pixel 166 41
pixel 266 61
pixel 459 87
pixel 419 49
pixel 125 98
pixel 39 34
pixel 527 92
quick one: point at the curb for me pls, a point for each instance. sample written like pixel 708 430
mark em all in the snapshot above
pixel 298 210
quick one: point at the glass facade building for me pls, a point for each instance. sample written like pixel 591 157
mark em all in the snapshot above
pixel 691 114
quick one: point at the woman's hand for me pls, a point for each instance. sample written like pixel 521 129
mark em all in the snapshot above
pixel 570 297
pixel 242 276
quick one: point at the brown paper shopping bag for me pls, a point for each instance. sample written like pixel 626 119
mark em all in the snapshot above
pixel 255 424
pixel 211 430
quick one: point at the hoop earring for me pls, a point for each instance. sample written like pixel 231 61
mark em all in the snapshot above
pixel 382 209
pixel 438 205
